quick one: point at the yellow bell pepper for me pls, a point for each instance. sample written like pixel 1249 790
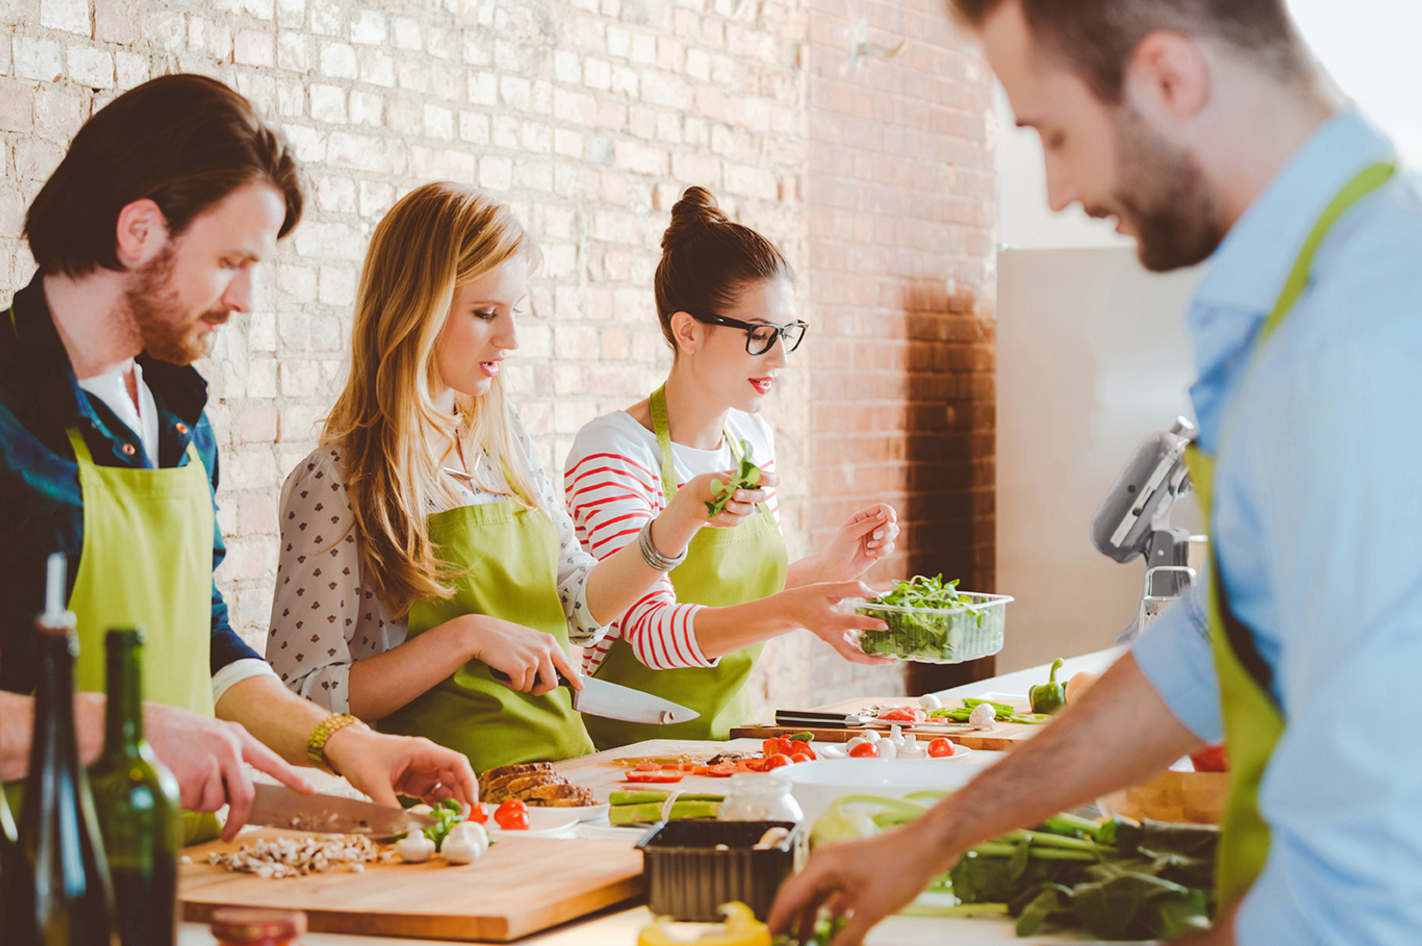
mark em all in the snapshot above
pixel 740 929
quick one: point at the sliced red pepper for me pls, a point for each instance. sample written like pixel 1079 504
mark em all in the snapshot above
pixel 660 775
pixel 647 767
pixel 904 714
pixel 719 770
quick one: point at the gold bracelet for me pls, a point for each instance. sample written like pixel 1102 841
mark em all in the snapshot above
pixel 316 745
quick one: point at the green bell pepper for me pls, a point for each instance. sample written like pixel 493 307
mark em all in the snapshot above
pixel 1050 696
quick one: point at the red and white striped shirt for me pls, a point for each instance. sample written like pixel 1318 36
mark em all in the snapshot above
pixel 613 486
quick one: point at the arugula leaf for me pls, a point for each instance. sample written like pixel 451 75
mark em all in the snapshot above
pixel 747 477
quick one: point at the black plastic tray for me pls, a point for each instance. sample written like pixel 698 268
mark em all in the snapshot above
pixel 688 879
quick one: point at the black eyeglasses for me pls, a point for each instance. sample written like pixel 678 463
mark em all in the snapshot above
pixel 760 336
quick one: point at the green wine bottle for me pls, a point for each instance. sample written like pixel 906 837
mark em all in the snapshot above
pixel 60 894
pixel 136 798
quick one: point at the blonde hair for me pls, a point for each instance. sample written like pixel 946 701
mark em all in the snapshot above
pixel 438 237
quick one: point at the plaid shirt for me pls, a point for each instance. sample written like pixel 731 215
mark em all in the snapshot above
pixel 41 506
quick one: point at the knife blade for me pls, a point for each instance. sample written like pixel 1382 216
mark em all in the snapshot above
pixel 613 701
pixel 277 806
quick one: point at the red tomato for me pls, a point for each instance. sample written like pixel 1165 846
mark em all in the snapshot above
pixel 513 804
pixel 802 757
pixel 940 748
pixel 777 760
pixel 511 820
pixel 1212 759
pixel 864 750
pixel 477 813
pixel 784 745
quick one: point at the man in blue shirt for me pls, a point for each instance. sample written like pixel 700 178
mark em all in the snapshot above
pixel 147 237
pixel 1205 130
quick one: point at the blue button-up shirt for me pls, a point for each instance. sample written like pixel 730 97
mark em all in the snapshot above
pixel 1318 528
pixel 41 504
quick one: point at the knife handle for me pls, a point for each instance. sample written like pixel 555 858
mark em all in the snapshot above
pixel 537 678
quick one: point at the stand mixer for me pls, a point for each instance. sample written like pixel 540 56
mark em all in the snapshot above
pixel 1134 520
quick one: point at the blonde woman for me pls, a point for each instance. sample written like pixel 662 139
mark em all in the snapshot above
pixel 422 543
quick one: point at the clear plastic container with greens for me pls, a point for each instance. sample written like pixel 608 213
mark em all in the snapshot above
pixel 931 621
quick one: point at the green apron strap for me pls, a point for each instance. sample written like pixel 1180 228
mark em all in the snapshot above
pixel 662 428
pixel 81 449
pixel 1253 720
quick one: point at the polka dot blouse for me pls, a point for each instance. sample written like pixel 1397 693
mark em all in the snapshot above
pixel 326 615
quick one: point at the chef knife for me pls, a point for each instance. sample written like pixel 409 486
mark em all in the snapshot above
pixel 813 719
pixel 277 806
pixel 609 700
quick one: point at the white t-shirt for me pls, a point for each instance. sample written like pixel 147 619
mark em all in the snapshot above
pixel 613 486
pixel 140 418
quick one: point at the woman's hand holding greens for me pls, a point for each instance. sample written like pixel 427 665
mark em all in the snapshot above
pixel 699 491
pixel 533 660
pixel 815 608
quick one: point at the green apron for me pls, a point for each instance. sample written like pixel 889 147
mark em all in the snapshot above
pixel 510 554
pixel 1253 721
pixel 147 560
pixel 723 567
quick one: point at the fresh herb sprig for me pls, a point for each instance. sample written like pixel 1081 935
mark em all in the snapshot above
pixel 748 477
pixel 921 591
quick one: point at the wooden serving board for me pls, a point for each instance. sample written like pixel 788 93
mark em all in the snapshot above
pixel 520 886
pixel 1004 737
pixel 596 771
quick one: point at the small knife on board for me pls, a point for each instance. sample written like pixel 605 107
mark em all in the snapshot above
pixel 277 806
pixel 612 701
pixel 814 720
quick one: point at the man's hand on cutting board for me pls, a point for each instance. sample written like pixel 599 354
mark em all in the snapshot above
pixel 1118 733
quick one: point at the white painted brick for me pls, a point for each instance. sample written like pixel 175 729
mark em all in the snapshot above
pixel 474 127
pixel 260 89
pixel 443 163
pixel 319 240
pixel 60 110
pixel 542 97
pixel 375 198
pixel 477 48
pixel 377 68
pixel 507 57
pixel 439 122
pixel 337 285
pixel 566 67
pixel 261 9
pixel 366 153
pixel 495 173
pixel 506 129
pixel 336 194
pixel 130 69
pixel 291 13
pixel 293 51
pixel 211 37
pixel 516 92
pixel 291 99
pixel 619 42
pixel 328 17
pixel 309 144
pixel 439 43
pixel 406 33
pixel 338 60
pixel 328 104
pixel 698 64
pixel 412 74
pixel 71 16
pixel 369 28
pixel 537 138
pixel 597 73
pixel 91 67
pixel 639 158
pixel 626 81
pixel 568 143
pixel 367 108
pixel 484 88
pixel 644 49
pixel 37 59
pixel 167 29
pixel 298 282
pixel 254 48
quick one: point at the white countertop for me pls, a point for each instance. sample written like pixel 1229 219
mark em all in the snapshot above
pixel 619 926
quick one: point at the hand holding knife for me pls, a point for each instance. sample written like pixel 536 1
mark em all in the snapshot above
pixel 600 698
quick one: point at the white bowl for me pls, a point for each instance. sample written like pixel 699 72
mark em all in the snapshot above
pixel 817 784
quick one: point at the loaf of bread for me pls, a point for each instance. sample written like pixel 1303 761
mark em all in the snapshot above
pixel 535 784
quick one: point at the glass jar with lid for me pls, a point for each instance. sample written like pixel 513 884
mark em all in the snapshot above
pixel 257 926
pixel 754 797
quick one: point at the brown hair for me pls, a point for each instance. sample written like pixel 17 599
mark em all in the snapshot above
pixel 707 259
pixel 1098 37
pixel 436 238
pixel 183 141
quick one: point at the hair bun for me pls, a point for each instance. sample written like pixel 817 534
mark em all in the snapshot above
pixel 696 209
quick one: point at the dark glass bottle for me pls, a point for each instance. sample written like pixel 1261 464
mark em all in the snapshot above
pixel 8 849
pixel 60 895
pixel 136 798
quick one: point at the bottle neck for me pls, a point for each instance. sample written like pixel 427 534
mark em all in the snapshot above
pixel 123 729
pixel 54 743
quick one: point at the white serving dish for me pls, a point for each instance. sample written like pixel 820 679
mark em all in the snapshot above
pixel 542 823
pixel 817 784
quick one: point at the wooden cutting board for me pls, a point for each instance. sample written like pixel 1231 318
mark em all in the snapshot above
pixel 596 771
pixel 521 886
pixel 1004 737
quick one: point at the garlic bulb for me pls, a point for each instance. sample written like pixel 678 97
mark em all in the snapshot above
pixel 415 847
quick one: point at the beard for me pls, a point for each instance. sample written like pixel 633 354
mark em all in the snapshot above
pixel 168 329
pixel 1165 198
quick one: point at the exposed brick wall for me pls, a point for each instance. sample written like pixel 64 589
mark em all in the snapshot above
pixel 900 201
pixel 587 116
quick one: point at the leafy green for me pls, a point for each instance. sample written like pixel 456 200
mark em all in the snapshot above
pixel 863 816
pixel 747 477
pixel 1119 880
pixel 925 633
pixel 826 928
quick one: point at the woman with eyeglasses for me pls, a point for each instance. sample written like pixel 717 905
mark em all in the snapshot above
pixel 726 302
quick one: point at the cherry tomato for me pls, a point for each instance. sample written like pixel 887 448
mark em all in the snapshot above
pixel 477 813
pixel 511 820
pixel 513 804
pixel 940 748
pixel 1211 759
pixel 864 750
pixel 778 760
pixel 802 757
